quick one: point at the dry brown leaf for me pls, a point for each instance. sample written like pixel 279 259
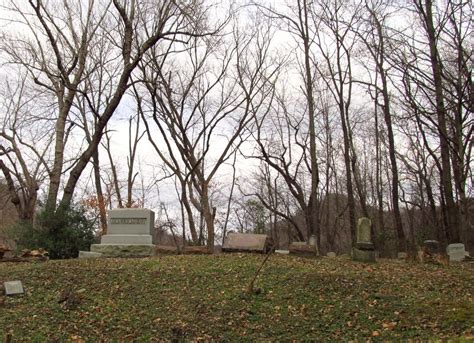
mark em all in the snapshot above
pixel 389 326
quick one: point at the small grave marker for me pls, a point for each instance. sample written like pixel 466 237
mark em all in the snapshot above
pixel 302 248
pixel 456 252
pixel 13 287
pixel 432 246
pixel 402 255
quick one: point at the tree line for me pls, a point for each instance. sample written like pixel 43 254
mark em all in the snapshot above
pixel 341 109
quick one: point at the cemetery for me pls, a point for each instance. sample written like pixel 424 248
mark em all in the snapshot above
pixel 203 297
pixel 128 288
pixel 225 171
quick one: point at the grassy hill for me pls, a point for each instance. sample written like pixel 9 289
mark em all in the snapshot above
pixel 192 298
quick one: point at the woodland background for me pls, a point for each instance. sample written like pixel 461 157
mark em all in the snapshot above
pixel 292 118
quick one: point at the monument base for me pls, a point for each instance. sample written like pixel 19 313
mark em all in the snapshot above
pixel 124 250
pixel 363 255
pixel 89 254
pixel 365 246
pixel 126 239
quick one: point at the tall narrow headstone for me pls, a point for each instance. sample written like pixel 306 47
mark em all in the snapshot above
pixel 364 250
pixel 364 234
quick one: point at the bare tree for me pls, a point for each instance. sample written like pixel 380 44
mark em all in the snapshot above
pixel 24 143
pixel 430 92
pixel 58 59
pixel 189 108
pixel 296 19
pixel 376 42
pixel 336 72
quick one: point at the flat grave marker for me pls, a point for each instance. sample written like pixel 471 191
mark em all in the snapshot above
pixel 13 287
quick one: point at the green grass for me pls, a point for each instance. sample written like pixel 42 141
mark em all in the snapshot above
pixel 192 298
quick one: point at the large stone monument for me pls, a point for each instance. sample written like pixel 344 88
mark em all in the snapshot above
pixel 130 233
pixel 364 250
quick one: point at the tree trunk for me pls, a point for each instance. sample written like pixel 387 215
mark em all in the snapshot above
pixel 378 186
pixel 56 171
pixel 100 194
pixel 209 215
pixel 452 210
pixel 189 212
pixel 350 190
pixel 313 198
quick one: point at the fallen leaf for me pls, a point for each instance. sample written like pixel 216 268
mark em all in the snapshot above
pixel 389 326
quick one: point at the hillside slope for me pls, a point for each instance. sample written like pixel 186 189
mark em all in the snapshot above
pixel 192 298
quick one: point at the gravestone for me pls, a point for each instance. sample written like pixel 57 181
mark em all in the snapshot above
pixel 456 252
pixel 246 242
pixel 13 287
pixel 364 250
pixel 364 234
pixel 302 248
pixel 130 233
pixel 432 247
pixel 130 226
pixel 402 255
pixel 331 254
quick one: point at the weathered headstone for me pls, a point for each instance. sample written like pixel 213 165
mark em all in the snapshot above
pixel 13 287
pixel 130 233
pixel 302 248
pixel 364 234
pixel 364 250
pixel 402 255
pixel 432 247
pixel 456 252
pixel 331 254
pixel 246 242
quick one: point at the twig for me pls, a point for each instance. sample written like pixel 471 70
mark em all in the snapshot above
pixel 252 282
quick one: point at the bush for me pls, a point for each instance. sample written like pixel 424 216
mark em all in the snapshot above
pixel 62 233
